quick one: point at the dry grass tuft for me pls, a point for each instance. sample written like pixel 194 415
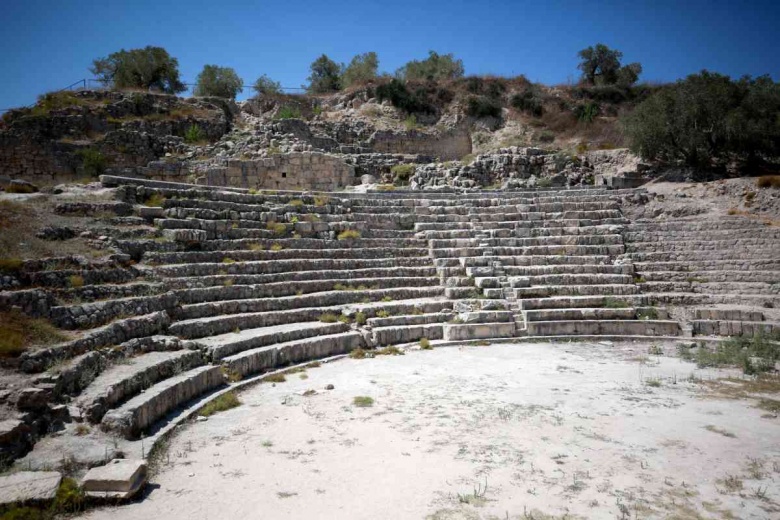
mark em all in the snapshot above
pixel 19 331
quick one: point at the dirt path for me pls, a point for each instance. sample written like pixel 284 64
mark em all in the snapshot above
pixel 505 431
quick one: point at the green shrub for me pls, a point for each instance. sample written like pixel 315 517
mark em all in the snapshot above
pixel 140 68
pixel 265 85
pixel 361 69
pixel 19 331
pixel 349 234
pixel 402 172
pixel 390 350
pixel 586 112
pixel 360 318
pixel 411 102
pixel 527 101
pixel 155 200
pixel 194 134
pixel 325 76
pixel 363 401
pixel 754 354
pixel 277 228
pixel 93 162
pixel 288 112
pixel 482 107
pixel 435 67
pixel 76 281
pixel 766 181
pixel 708 118
pixel 425 344
pixel 218 81
pixel 328 317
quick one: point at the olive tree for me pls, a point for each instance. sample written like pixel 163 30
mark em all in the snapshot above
pixel 147 68
pixel 219 82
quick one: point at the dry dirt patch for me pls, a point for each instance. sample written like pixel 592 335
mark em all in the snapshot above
pixel 506 431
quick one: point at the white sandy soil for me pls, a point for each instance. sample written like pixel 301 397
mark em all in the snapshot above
pixel 570 430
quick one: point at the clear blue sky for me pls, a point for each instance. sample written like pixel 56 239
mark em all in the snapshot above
pixel 45 45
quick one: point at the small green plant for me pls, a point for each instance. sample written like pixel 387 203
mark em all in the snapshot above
pixel 277 228
pixel 228 282
pixel 19 331
pixel 267 444
pixel 614 303
pixel 402 172
pixel 714 429
pixel 155 200
pixel 360 353
pixel 82 429
pixel 653 382
pixel 328 317
pixel 411 122
pixel 297 203
pixel 425 344
pixel 320 200
pixel 544 182
pixel 75 281
pixel 194 134
pixel 655 350
pixel 647 313
pixel 227 260
pixel 390 350
pixel 93 161
pixel 768 181
pixel 360 318
pixel 11 265
pixel 382 314
pixel 349 234
pixel 363 401
pixel 275 378
pixel 288 112
pixel 276 247
pixel 224 402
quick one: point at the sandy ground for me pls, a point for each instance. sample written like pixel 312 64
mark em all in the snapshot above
pixel 506 431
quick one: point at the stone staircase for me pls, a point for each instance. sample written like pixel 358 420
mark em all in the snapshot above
pixel 220 285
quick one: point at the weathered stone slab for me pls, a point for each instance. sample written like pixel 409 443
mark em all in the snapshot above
pixel 120 478
pixel 29 486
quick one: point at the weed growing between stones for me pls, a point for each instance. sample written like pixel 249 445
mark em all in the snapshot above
pixel 363 401
pixel 155 200
pixel 75 281
pixel 275 378
pixel 425 344
pixel 390 350
pixel 18 332
pixel 613 303
pixel 328 317
pixel 224 402
pixel 349 234
pixel 755 355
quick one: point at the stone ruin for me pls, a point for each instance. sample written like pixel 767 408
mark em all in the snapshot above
pixel 224 282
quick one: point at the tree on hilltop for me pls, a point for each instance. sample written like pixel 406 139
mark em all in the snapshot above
pixel 434 67
pixel 265 85
pixel 219 82
pixel 362 68
pixel 325 76
pixel 150 67
pixel 600 65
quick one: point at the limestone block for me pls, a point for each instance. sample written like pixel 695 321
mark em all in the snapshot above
pixel 120 478
pixel 29 486
pixel 457 332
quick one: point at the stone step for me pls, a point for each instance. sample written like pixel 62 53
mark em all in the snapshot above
pixel 518 225
pixel 396 334
pixel 734 328
pixel 324 299
pixel 604 328
pixel 469 331
pixel 705 245
pixel 95 293
pixel 310 287
pixel 695 286
pixel 138 414
pixel 64 278
pixel 597 313
pixel 492 217
pixel 281 354
pixel 709 265
pixel 528 260
pixel 410 319
pixel 349 277
pixel 704 256
pixel 284 266
pixel 713 276
pixel 540 270
pixel 728 314
pixel 95 314
pixel 528 242
pixel 687 298
pixel 568 302
pixel 575 290
pixel 201 257
pixel 579 279
pixel 223 345
pixel 696 224
pixel 553 250
pixel 127 378
pixel 222 324
pixel 719 235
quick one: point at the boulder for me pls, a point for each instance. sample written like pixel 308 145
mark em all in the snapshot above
pixel 120 478
pixel 25 487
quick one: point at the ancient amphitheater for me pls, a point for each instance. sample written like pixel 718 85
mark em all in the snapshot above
pixel 240 286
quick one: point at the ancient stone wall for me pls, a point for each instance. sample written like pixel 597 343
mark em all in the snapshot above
pixel 447 146
pixel 293 171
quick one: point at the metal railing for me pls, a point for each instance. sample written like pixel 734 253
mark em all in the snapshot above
pixel 99 84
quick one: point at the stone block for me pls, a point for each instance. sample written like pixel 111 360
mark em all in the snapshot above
pixel 120 478
pixel 29 486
